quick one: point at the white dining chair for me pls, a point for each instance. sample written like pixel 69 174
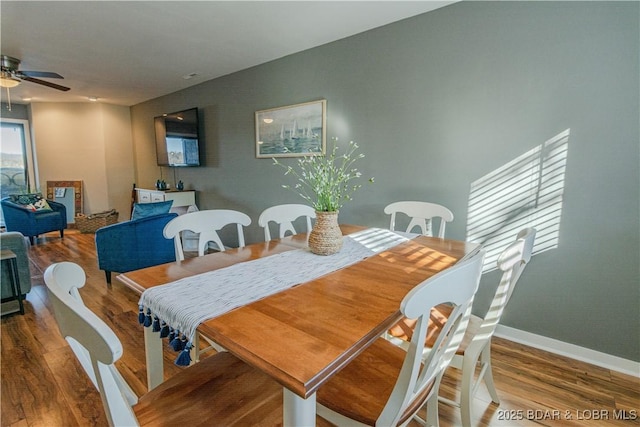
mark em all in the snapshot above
pixel 421 215
pixel 221 390
pixel 385 385
pixel 206 223
pixel 475 350
pixel 476 345
pixel 284 216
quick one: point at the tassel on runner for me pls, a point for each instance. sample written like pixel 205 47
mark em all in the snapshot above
pixel 184 359
pixel 164 330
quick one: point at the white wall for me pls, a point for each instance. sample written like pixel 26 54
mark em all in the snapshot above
pixel 119 158
pixel 89 143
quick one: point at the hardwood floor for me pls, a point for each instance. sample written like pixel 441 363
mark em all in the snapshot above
pixel 43 384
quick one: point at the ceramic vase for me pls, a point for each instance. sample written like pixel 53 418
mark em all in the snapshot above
pixel 325 237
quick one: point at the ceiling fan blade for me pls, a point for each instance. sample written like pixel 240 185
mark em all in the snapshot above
pixel 44 83
pixel 45 74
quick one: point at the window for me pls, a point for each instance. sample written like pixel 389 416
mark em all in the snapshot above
pixel 17 173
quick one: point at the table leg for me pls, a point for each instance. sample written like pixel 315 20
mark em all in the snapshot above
pixel 153 354
pixel 194 353
pixel 298 411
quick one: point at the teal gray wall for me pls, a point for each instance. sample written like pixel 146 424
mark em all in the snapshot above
pixel 18 111
pixel 438 101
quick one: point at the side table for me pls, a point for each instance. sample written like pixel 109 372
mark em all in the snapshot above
pixel 8 256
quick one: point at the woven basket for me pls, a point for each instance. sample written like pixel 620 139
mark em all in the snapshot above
pixel 89 224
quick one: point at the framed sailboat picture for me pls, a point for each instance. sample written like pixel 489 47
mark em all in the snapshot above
pixel 295 130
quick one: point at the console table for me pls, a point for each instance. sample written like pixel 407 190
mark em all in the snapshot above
pixel 182 200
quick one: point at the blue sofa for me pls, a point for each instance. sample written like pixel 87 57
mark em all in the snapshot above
pixel 32 223
pixel 135 244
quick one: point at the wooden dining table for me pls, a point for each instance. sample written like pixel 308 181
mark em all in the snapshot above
pixel 305 334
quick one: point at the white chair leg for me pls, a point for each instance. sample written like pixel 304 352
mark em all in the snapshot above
pixel 485 358
pixel 432 418
pixel 466 391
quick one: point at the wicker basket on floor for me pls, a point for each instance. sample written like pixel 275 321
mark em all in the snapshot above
pixel 90 223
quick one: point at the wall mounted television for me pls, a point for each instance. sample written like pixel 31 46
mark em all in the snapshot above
pixel 177 138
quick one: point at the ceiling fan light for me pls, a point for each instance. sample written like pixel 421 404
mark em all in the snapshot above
pixel 8 82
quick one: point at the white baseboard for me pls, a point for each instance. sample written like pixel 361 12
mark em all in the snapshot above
pixel 583 354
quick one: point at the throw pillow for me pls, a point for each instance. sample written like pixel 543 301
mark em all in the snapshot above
pixel 31 201
pixel 42 205
pixel 143 210
pixel 26 199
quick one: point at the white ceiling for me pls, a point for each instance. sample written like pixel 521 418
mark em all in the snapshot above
pixel 127 52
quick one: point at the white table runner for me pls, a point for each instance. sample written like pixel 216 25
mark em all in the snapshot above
pixel 187 302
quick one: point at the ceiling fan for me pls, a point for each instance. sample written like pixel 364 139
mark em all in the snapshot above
pixel 11 76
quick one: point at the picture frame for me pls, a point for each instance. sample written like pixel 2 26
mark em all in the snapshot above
pixel 292 131
pixel 76 186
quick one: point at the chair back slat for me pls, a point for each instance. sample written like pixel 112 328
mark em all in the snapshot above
pixel 456 286
pixel 511 261
pixel 206 223
pixel 284 216
pixel 421 215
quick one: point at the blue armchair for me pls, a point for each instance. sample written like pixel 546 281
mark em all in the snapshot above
pixel 135 244
pixel 32 223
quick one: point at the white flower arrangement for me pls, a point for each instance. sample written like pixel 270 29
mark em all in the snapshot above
pixel 326 181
